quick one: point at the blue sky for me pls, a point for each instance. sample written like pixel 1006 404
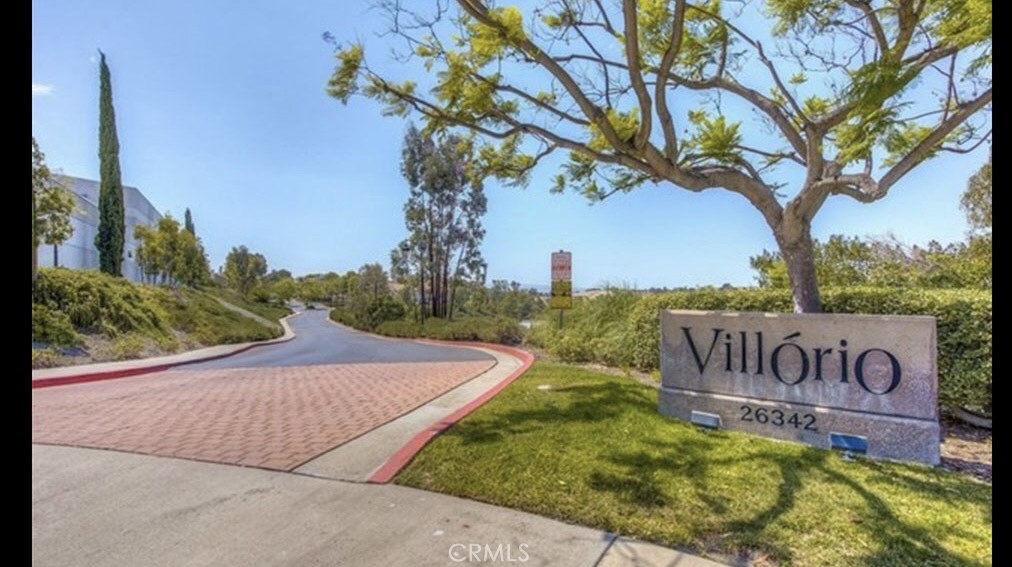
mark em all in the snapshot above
pixel 221 108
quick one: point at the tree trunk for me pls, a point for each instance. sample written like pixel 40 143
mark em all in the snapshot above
pixel 796 247
pixel 421 293
pixel 446 284
pixel 56 256
pixel 434 285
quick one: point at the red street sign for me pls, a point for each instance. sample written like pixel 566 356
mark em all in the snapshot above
pixel 562 266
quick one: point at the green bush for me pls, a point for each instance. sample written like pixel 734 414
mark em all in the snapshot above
pixel 481 329
pixel 44 358
pixel 128 347
pixel 67 302
pixel 344 317
pixel 402 329
pixel 205 319
pixel 53 327
pixel 623 329
pixel 94 302
pixel 381 310
pixel 267 306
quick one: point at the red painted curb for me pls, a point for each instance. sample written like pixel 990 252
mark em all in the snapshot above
pixel 126 372
pixel 403 456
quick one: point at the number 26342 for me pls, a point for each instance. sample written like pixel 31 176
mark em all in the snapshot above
pixel 778 418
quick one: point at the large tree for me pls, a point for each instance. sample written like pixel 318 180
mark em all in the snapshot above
pixel 168 254
pixel 243 269
pixel 111 222
pixel 786 104
pixel 443 214
pixel 51 208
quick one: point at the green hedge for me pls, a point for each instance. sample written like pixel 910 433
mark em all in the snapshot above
pixel 483 329
pixel 622 328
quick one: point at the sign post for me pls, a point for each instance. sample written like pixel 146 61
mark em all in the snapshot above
pixel 562 282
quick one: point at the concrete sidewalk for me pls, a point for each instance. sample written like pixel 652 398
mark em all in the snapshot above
pixel 96 507
pixel 359 459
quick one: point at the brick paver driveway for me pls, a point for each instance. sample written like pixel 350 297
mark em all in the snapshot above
pixel 273 416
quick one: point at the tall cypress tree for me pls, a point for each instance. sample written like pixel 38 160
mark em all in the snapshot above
pixel 111 224
pixel 189 223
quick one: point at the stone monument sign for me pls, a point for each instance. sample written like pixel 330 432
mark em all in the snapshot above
pixel 864 383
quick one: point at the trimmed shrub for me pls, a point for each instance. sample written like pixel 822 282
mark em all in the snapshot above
pixel 596 331
pixel 344 317
pixel 481 329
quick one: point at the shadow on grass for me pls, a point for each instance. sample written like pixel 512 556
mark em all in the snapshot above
pixel 899 542
pixel 591 403
pixel 638 468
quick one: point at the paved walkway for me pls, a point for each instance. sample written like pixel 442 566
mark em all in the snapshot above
pixel 275 418
pixel 103 508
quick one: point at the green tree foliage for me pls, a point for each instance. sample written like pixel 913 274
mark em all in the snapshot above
pixel 284 289
pixel 243 269
pixel 844 262
pixel 503 299
pixel 331 287
pixel 443 217
pixel 277 275
pixel 361 299
pixel 373 282
pixel 835 98
pixel 111 223
pixel 168 255
pixel 976 200
pixel 51 208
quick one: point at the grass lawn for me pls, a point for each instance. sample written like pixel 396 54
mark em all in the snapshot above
pixel 209 322
pixel 593 450
pixel 269 312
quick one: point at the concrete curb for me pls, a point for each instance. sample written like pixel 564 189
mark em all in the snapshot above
pixel 81 374
pixel 405 454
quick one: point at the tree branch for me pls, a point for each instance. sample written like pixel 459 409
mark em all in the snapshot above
pixel 660 87
pixel 923 149
pixel 632 55
pixel 479 11
pixel 873 21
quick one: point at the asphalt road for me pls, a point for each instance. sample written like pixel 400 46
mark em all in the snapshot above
pixel 319 341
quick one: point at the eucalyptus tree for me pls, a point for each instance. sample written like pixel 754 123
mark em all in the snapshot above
pixel 443 214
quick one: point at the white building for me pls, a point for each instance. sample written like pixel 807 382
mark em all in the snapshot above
pixel 79 251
